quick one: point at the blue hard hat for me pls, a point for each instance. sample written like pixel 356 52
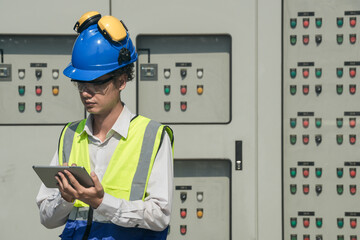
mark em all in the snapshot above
pixel 93 55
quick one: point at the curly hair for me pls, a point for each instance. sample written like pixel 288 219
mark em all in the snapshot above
pixel 128 70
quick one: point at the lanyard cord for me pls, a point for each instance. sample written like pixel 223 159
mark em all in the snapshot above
pixel 89 223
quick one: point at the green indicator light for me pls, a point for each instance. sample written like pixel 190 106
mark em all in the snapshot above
pixel 167 106
pixel 293 172
pixel 318 123
pixel 21 91
pixel 293 189
pixel 340 222
pixel 318 73
pixel 318 172
pixel 293 23
pixel 319 222
pixel 340 38
pixel 292 73
pixel 339 122
pixel 339 89
pixel 339 172
pixel 21 107
pixel 340 237
pixel 339 139
pixel 293 39
pixel 293 237
pixel 339 72
pixel 293 222
pixel 339 189
pixel 292 90
pixel 318 22
pixel 340 22
pixel 292 139
pixel 293 122
pixel 167 90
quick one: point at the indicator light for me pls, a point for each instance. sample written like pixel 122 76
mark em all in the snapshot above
pixel 38 90
pixel 353 237
pixel 167 73
pixel 21 107
pixel 318 122
pixel 199 196
pixel 352 89
pixel 292 72
pixel 352 21
pixel 306 89
pixel 318 22
pixel 200 89
pixel 339 38
pixel 339 72
pixel 306 189
pixel 293 39
pixel 318 89
pixel 306 172
pixel 352 139
pixel 339 172
pixel 339 189
pixel 340 237
pixel 292 122
pixel 353 222
pixel 167 106
pixel 352 72
pixel 183 89
pixel 183 212
pixel 21 90
pixel 319 222
pixel 306 139
pixel 200 73
pixel 293 23
pixel 38 107
pixel 21 73
pixel 293 237
pixel 318 172
pixel 293 222
pixel 293 172
pixel 339 139
pixel 292 89
pixel 306 22
pixel 340 222
pixel 352 189
pixel 306 237
pixel 306 222
pixel 352 38
pixel 352 172
pixel 339 89
pixel 292 139
pixel 306 39
pixel 318 72
pixel 182 229
pixel 305 72
pixel 55 90
pixel 305 122
pixel 167 89
pixel 339 122
pixel 318 39
pixel 199 212
pixel 292 188
pixel 183 106
pixel 55 73
pixel 352 122
pixel 339 21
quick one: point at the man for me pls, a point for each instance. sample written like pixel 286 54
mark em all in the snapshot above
pixel 129 158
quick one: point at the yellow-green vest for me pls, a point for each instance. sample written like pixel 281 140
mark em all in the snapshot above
pixel 129 169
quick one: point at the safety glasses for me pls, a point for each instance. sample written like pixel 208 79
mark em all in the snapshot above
pixel 95 87
pixel 109 26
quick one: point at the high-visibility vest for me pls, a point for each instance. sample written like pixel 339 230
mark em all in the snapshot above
pixel 129 169
pixel 126 177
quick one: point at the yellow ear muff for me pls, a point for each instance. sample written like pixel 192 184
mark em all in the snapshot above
pixel 112 28
pixel 87 20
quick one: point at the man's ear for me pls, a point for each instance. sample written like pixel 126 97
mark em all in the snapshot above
pixel 122 82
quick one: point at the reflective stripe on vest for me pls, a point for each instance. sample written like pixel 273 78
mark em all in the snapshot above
pixel 139 149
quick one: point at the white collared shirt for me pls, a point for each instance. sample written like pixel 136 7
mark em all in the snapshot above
pixel 153 213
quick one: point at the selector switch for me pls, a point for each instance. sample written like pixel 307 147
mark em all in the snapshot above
pixel 38 73
pixel 183 73
pixel 183 196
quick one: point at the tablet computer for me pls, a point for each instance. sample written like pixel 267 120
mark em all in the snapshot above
pixel 47 175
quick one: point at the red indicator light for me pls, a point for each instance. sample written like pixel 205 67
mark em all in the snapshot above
pixel 183 106
pixel 305 122
pixel 353 223
pixel 306 22
pixel 352 172
pixel 306 222
pixel 183 90
pixel 306 172
pixel 352 122
pixel 352 72
pixel 183 229
pixel 38 107
pixel 38 90
pixel 306 89
pixel 306 39
pixel 352 139
pixel 352 22
pixel 352 89
pixel 306 190
pixel 305 72
pixel 183 213
pixel 352 189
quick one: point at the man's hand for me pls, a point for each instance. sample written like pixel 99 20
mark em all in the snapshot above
pixel 72 189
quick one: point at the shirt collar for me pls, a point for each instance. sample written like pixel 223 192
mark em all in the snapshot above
pixel 121 125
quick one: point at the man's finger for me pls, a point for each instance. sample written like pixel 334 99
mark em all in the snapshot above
pixel 96 181
pixel 76 185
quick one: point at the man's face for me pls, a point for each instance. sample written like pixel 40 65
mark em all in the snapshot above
pixel 101 95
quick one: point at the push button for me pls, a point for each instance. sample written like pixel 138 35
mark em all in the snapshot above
pixel 339 172
pixel 352 21
pixel 306 39
pixel 292 89
pixel 306 222
pixel 306 139
pixel 306 189
pixel 352 72
pixel 21 107
pixel 318 172
pixel 352 172
pixel 292 122
pixel 292 139
pixel 167 89
pixel 183 106
pixel 339 89
pixel 352 89
pixel 183 212
pixel 352 189
pixel 293 23
pixel 293 73
pixel 339 38
pixel 167 106
pixel 319 222
pixel 353 222
pixel 38 90
pixel 293 222
pixel 38 107
pixel 182 229
pixel 55 90
pixel 352 38
pixel 199 212
pixel 340 189
pixel 339 21
pixel 339 72
pixel 306 72
pixel 306 172
pixel 305 122
pixel 293 40
pixel 339 139
pixel 21 90
pixel 306 89
pixel 318 22
pixel 352 122
pixel 339 122
pixel 293 172
pixel 340 222
pixel 306 22
pixel 352 139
